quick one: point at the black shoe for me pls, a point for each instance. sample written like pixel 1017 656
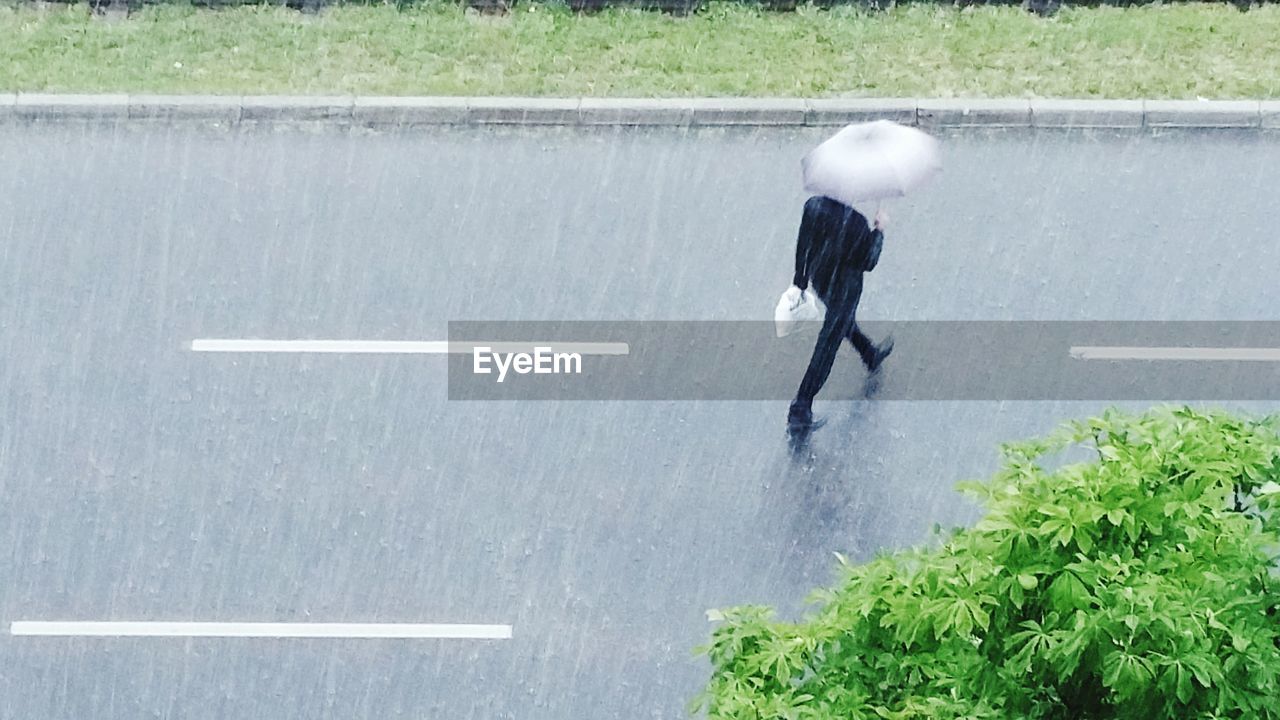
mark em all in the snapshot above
pixel 802 419
pixel 871 386
pixel 881 353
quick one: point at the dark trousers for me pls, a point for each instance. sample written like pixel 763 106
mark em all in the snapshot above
pixel 840 325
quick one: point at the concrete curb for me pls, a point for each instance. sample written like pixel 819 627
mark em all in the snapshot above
pixel 1271 114
pixel 71 107
pixel 1088 113
pixel 185 107
pixel 974 113
pixel 1196 114
pixel 682 112
pixel 272 108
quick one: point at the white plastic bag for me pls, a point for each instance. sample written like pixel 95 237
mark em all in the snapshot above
pixel 797 306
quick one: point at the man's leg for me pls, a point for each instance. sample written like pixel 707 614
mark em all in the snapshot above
pixel 834 329
pixel 872 355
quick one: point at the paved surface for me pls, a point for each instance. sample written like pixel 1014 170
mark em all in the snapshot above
pixel 142 481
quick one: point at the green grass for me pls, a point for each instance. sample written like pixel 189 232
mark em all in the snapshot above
pixel 1174 51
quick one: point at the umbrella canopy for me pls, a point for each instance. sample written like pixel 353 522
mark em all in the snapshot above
pixel 871 161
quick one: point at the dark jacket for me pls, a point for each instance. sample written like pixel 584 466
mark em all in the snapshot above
pixel 834 240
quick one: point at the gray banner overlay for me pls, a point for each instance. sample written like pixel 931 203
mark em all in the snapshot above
pixel 942 360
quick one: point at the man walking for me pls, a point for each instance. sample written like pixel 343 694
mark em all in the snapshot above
pixel 835 247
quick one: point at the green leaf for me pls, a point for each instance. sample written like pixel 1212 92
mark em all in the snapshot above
pixel 1068 592
pixel 1095 578
pixel 1239 643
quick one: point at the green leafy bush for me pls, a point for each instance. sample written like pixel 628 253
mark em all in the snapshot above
pixel 1140 584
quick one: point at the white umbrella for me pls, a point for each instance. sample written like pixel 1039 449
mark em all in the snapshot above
pixel 871 161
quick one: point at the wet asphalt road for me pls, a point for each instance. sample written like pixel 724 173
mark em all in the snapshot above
pixel 142 481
